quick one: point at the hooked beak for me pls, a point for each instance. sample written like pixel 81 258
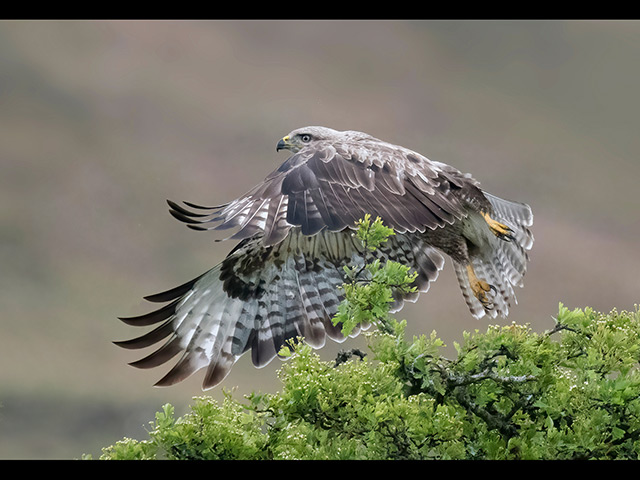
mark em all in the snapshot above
pixel 283 144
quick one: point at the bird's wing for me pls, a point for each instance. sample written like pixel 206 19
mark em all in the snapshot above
pixel 333 186
pixel 259 297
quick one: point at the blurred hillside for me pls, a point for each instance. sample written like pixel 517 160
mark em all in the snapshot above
pixel 101 121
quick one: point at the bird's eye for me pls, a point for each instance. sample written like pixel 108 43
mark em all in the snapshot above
pixel 305 138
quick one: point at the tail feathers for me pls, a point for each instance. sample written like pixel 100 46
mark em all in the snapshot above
pixel 513 256
pixel 501 297
pixel 516 215
pixel 505 265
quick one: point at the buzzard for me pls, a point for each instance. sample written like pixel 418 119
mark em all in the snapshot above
pixel 282 279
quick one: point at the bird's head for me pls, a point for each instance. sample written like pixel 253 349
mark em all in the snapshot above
pixel 303 137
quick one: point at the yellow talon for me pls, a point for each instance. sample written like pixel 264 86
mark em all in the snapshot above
pixel 498 229
pixel 479 287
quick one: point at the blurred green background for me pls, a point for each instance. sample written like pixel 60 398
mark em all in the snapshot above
pixel 101 121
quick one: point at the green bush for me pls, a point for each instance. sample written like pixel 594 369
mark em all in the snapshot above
pixel 511 393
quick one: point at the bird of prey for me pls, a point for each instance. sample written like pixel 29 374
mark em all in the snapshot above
pixel 295 232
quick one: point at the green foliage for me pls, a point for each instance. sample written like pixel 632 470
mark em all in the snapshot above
pixel 371 286
pixel 210 432
pixel 570 393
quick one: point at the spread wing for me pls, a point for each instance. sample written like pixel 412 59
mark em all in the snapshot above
pixel 332 186
pixel 259 297
pixel 283 279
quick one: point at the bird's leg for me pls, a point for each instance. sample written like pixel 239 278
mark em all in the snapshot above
pixel 500 230
pixel 479 287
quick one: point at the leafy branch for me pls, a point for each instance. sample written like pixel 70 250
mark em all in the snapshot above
pixel 571 392
pixel 370 288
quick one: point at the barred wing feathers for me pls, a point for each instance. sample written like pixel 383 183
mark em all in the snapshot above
pixel 259 297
